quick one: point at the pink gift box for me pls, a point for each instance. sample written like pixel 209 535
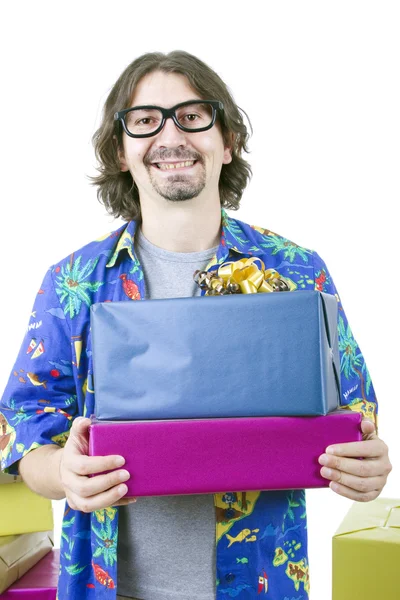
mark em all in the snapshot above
pixel 204 456
pixel 39 583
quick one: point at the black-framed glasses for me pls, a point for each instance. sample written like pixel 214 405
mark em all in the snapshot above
pixel 191 116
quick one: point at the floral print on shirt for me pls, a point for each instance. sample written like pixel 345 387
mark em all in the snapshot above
pixel 261 537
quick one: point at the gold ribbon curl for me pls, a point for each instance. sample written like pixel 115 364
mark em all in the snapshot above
pixel 242 276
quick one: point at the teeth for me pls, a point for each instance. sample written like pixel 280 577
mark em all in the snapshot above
pixel 164 166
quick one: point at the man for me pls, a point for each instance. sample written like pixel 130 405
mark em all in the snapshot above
pixel 169 174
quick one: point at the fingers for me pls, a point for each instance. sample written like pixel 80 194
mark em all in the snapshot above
pixel 78 440
pixel 367 426
pixel 347 492
pixel 90 465
pixel 352 466
pixel 80 425
pixel 94 493
pixel 91 482
pixel 99 501
pixel 366 449
pixel 90 486
pixel 363 485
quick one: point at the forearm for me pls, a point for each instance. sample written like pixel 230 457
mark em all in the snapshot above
pixel 40 470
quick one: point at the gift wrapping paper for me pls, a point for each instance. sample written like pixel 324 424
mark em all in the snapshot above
pixel 19 553
pixel 39 583
pixel 204 456
pixel 216 356
pixel 366 552
pixel 23 511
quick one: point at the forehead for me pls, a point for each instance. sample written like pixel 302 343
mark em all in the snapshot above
pixel 163 89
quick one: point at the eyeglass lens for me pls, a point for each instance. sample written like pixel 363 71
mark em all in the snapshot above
pixel 145 120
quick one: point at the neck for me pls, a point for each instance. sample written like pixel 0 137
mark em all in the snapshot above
pixel 186 226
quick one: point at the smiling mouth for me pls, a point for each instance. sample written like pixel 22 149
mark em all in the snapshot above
pixel 175 165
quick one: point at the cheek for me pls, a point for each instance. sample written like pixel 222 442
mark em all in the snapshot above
pixel 137 160
pixel 136 150
pixel 212 149
pixel 140 153
pixel 213 144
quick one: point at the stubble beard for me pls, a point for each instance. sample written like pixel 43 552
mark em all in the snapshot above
pixel 177 187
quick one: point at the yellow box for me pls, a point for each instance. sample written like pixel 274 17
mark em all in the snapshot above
pixel 366 552
pixel 5 478
pixel 23 511
pixel 19 553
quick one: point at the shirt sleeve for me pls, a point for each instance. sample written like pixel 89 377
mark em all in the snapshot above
pixel 357 391
pixel 39 402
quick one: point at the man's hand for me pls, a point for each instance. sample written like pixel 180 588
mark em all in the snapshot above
pixel 86 493
pixel 360 480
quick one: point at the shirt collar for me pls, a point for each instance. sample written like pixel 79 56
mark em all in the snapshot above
pixel 125 242
pixel 233 237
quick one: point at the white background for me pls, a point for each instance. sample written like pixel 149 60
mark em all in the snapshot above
pixel 320 82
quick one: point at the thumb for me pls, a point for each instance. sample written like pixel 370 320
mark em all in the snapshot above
pixel 79 434
pixel 368 428
pixel 80 425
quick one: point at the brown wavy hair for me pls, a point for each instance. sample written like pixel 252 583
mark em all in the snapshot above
pixel 117 189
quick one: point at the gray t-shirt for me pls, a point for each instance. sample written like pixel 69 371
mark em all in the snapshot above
pixel 166 544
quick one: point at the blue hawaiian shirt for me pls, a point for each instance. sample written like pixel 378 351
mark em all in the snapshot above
pixel 261 537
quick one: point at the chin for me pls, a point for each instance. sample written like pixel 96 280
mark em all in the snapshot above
pixel 179 193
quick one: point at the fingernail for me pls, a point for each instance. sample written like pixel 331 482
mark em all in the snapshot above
pixel 122 489
pixel 330 450
pixel 119 461
pixel 131 500
pixel 323 459
pixel 326 472
pixel 124 475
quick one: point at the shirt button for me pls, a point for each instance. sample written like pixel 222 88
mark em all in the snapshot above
pixel 230 513
pixel 229 577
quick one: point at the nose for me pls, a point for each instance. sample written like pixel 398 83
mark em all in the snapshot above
pixel 170 135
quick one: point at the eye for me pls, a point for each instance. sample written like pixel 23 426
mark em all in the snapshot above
pixel 142 121
pixel 191 115
pixel 198 114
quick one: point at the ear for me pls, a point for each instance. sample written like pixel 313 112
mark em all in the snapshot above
pixel 121 156
pixel 228 150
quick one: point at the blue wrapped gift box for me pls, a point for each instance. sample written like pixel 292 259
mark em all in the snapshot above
pixel 239 355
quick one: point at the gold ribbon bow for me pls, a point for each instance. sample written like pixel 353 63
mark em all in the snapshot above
pixel 242 276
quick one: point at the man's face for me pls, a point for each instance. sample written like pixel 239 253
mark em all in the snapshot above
pixel 171 144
